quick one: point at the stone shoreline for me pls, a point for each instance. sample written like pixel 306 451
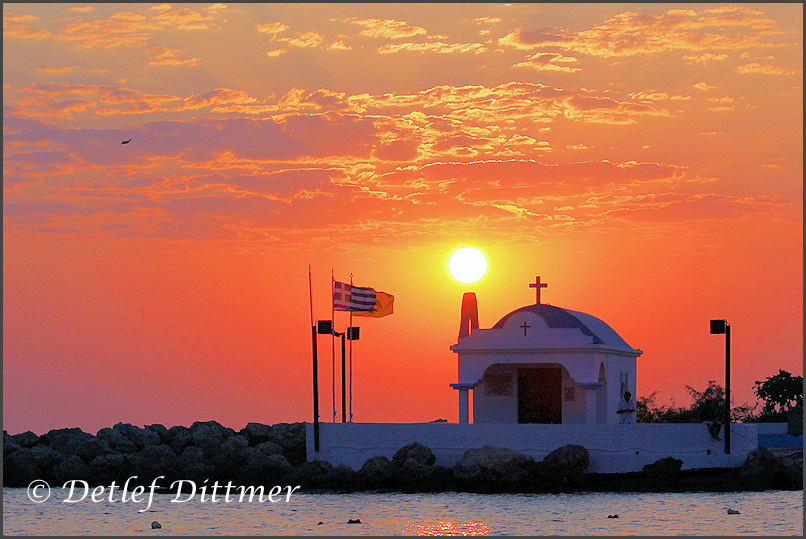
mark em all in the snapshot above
pixel 272 455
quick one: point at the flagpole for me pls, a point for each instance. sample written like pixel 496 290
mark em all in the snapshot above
pixel 351 359
pixel 333 342
pixel 315 371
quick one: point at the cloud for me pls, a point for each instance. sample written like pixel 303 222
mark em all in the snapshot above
pixel 172 57
pixel 272 28
pixel 433 46
pixel 276 52
pixel 550 61
pixel 704 58
pixel 303 40
pixel 83 9
pixel 19 26
pixel 766 69
pixel 132 29
pixel 339 46
pixel 387 28
pixel 704 86
pixel 630 33
pixel 70 69
pixel 184 19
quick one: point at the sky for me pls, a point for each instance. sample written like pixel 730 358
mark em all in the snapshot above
pixel 645 160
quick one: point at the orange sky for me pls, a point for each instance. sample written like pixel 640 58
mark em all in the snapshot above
pixel 644 159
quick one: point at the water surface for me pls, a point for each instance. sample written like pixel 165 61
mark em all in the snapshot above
pixel 703 513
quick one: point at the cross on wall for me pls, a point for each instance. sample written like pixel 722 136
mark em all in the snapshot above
pixel 524 326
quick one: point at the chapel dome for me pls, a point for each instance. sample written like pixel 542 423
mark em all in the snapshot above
pixel 559 318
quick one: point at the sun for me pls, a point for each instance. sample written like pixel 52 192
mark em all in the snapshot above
pixel 467 265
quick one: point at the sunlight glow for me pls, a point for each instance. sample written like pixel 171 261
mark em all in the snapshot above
pixel 467 265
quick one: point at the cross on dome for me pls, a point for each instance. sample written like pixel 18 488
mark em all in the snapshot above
pixel 538 285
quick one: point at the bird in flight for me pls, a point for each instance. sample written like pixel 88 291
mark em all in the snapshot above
pixel 126 141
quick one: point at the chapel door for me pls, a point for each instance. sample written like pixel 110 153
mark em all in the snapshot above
pixel 540 395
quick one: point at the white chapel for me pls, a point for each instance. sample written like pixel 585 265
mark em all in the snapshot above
pixel 541 364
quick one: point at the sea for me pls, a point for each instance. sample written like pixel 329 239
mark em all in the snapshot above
pixel 392 514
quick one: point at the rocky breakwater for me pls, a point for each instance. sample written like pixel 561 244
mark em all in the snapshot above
pixel 257 454
pixel 272 455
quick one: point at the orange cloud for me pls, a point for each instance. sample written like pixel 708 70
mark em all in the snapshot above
pixel 132 29
pixel 272 28
pixel 704 58
pixel 550 61
pixel 124 28
pixel 70 69
pixel 629 33
pixel 387 28
pixel 166 56
pixel 184 19
pixel 766 69
pixel 18 26
pixel 433 46
pixel 304 40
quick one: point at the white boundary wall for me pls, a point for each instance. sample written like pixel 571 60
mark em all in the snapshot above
pixel 612 448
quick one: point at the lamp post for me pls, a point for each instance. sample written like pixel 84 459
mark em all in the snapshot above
pixel 717 328
pixel 322 327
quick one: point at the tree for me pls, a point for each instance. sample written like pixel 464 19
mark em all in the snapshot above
pixel 779 393
pixel 708 405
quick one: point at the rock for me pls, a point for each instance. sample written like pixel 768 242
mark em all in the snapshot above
pixel 65 441
pixel 417 451
pixel 763 470
pixel 234 454
pixel 568 459
pixel 46 458
pixel 116 440
pixel 92 447
pixel 663 469
pixel 9 444
pixel 191 455
pixel 140 437
pixel 266 470
pixel 20 468
pixel 794 420
pixel 354 521
pixel 26 439
pixel 224 432
pixel 156 525
pixel 71 467
pixel 377 472
pixel 291 437
pixel 198 472
pixel 209 436
pixel 256 433
pixel 160 460
pixel 115 467
pixel 179 439
pixel 491 466
pixel 316 474
pixel 268 448
pixel 161 431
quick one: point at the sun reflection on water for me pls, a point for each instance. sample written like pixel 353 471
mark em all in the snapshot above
pixel 444 527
